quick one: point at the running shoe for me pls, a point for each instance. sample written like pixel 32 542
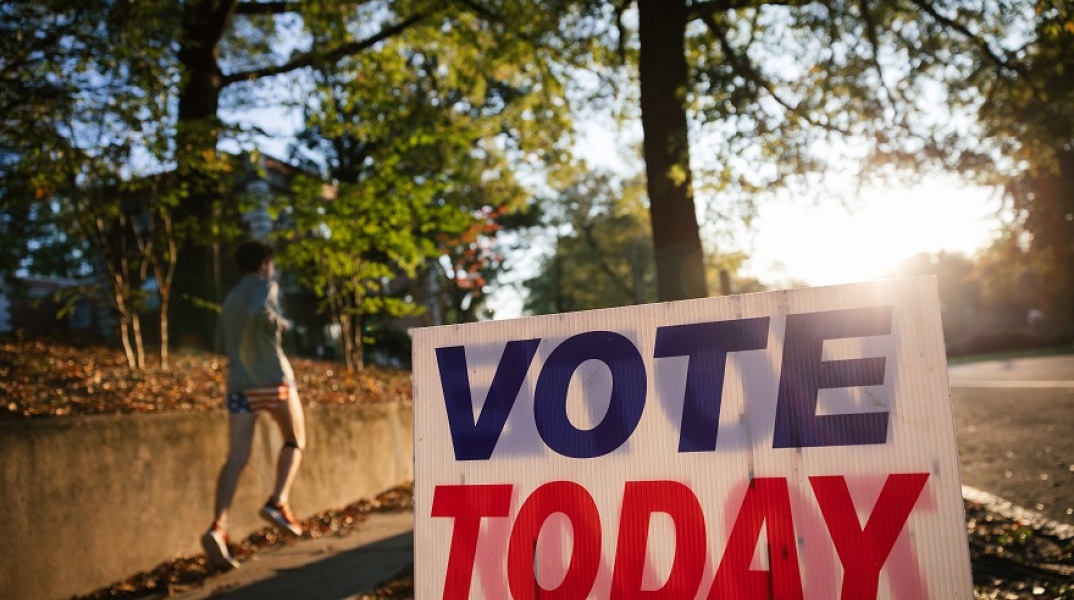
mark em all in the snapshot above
pixel 215 544
pixel 281 516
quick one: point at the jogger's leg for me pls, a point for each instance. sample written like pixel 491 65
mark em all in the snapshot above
pixel 240 437
pixel 291 421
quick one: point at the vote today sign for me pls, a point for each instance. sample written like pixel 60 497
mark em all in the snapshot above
pixel 793 444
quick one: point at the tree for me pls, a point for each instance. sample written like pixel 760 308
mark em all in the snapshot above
pixel 1013 282
pixel 423 135
pixel 215 54
pixel 157 240
pixel 201 48
pixel 348 247
pixel 772 90
pixel 777 93
pixel 602 255
pixel 91 124
pixel 664 82
pixel 35 237
pixel 471 261
pixel 37 41
pixel 238 36
pixel 1022 92
pixel 83 186
pixel 1002 116
pixel 957 277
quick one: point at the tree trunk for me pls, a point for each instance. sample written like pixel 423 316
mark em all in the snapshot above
pixel 680 270
pixel 348 345
pixel 357 359
pixel 163 331
pixel 121 284
pixel 139 344
pixel 165 277
pixel 197 133
pixel 345 338
pixel 124 337
pixel 356 327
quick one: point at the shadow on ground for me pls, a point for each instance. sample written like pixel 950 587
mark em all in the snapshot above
pixel 344 575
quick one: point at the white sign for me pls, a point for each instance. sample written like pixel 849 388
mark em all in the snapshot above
pixel 794 444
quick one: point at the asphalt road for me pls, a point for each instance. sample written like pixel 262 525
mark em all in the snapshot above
pixel 1014 422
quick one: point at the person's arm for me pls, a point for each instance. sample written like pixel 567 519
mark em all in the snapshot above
pixel 265 306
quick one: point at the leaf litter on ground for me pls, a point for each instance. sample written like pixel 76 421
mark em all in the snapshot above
pixel 48 379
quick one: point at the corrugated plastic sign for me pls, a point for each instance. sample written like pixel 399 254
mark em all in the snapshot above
pixel 794 444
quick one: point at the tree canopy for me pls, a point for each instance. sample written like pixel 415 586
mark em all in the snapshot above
pixel 424 135
pixel 601 253
pixel 434 120
pixel 1000 115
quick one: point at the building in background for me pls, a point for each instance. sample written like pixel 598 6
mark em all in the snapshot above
pixel 40 306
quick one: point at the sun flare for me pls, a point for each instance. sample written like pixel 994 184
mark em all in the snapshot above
pixel 829 244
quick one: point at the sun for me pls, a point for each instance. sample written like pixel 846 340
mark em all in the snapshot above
pixel 829 244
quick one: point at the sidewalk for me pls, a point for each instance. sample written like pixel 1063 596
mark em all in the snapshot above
pixel 1006 563
pixel 320 569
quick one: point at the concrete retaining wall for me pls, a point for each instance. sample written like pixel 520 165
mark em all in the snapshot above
pixel 89 500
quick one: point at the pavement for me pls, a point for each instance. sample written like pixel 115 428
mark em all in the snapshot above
pixel 327 568
pixel 1013 423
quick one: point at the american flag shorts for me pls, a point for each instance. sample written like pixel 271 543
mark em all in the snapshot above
pixel 259 398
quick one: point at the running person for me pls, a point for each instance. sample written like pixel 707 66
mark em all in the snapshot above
pixel 259 378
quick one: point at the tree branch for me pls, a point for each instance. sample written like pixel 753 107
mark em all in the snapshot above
pixel 218 19
pixel 267 8
pixel 280 7
pixel 744 68
pixel 701 10
pixel 707 9
pixel 976 40
pixel 330 56
pixel 591 241
pixel 484 11
pixel 874 41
